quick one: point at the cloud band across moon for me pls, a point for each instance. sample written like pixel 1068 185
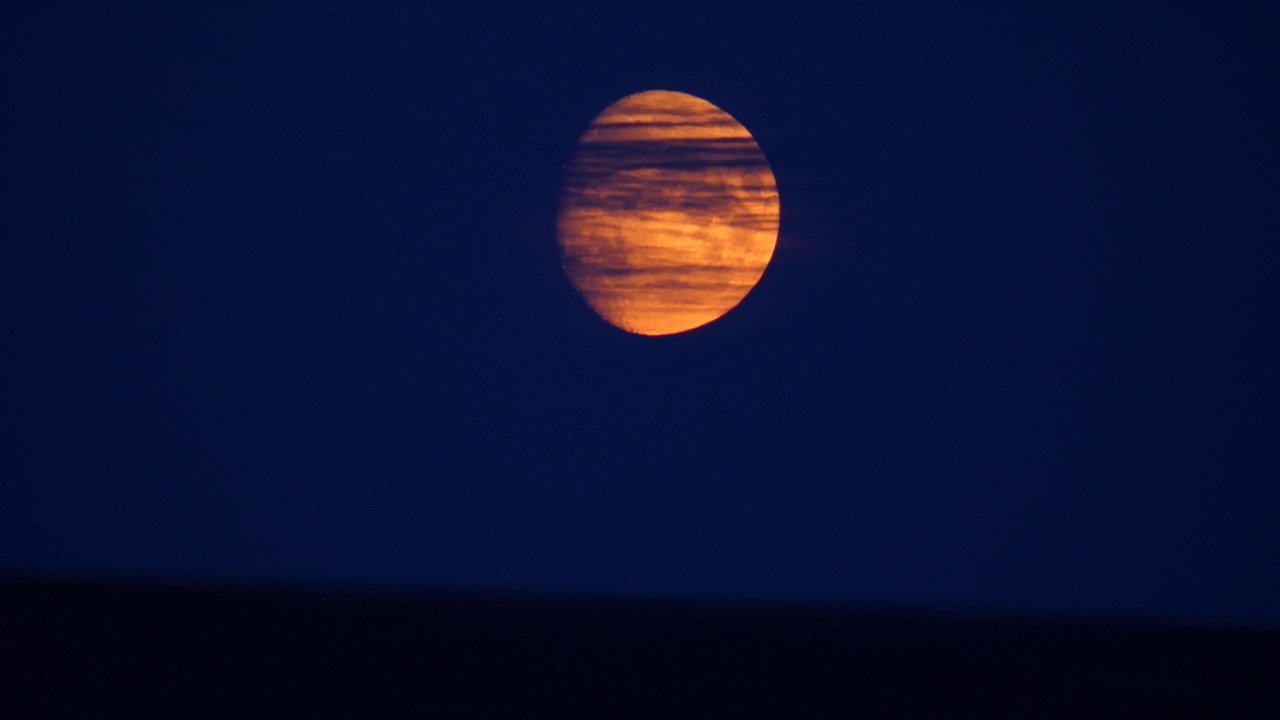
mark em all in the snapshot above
pixel 668 213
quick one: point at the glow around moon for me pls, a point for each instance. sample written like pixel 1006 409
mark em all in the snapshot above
pixel 668 213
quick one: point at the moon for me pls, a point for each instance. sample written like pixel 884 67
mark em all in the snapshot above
pixel 668 213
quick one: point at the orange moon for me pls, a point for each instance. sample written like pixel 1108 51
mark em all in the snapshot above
pixel 668 213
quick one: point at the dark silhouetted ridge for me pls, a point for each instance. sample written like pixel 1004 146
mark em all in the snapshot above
pixel 79 649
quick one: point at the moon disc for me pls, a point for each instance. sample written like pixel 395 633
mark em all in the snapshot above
pixel 668 213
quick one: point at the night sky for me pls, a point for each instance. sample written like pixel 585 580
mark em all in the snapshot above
pixel 281 301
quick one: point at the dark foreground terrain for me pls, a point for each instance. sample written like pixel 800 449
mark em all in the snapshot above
pixel 79 649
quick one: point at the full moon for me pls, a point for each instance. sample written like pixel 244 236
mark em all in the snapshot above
pixel 668 213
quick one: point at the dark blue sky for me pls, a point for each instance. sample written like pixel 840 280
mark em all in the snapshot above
pixel 280 300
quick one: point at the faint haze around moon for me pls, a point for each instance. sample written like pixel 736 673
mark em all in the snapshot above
pixel 668 213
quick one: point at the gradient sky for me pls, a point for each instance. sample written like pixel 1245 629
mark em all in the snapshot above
pixel 280 300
